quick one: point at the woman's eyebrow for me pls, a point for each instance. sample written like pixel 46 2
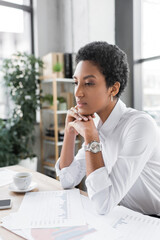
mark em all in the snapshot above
pixel 89 76
pixel 84 78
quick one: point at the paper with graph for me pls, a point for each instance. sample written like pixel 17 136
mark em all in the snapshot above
pixel 134 225
pixel 48 209
pixel 127 223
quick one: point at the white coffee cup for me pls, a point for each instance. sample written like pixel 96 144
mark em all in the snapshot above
pixel 22 180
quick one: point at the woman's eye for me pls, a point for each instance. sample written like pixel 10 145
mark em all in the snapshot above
pixel 89 84
pixel 75 83
pixel 86 84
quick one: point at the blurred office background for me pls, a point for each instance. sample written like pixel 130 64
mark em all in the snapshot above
pixel 43 26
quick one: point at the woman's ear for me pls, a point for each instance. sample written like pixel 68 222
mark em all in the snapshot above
pixel 115 89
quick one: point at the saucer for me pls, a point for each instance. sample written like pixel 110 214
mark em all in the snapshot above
pixel 13 187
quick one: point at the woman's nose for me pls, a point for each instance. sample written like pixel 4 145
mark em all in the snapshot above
pixel 79 91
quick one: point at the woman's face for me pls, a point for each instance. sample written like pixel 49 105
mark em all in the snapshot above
pixel 91 92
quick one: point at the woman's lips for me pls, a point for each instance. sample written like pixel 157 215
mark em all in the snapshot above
pixel 81 104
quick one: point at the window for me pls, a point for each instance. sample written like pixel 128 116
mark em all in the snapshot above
pixel 20 2
pixel 16 34
pixel 147 64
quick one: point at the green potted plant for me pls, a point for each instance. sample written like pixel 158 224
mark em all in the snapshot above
pixel 57 69
pixel 7 156
pixel 47 99
pixel 62 105
pixel 21 76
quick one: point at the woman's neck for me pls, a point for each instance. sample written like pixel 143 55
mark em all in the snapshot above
pixel 104 114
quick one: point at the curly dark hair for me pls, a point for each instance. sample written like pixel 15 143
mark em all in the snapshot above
pixel 111 61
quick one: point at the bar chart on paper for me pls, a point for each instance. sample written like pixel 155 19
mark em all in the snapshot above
pixel 134 225
pixel 61 210
pixel 121 221
pixel 64 233
pixel 54 208
pixel 48 209
pixel 128 224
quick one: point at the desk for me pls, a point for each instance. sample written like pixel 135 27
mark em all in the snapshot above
pixel 45 183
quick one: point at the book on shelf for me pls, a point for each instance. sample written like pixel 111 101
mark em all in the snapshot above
pixel 50 133
pixel 73 63
pixel 68 65
pixel 50 160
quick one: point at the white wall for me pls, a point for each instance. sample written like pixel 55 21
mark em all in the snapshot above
pixel 102 20
pixel 87 21
pixel 66 25
pixel 46 26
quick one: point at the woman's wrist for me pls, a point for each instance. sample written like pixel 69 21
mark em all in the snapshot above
pixel 70 132
pixel 91 136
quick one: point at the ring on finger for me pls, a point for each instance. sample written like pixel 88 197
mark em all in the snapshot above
pixel 74 110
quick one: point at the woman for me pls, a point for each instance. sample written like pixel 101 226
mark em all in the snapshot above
pixel 120 156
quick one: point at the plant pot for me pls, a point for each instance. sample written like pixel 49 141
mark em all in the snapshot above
pixel 62 106
pixel 29 163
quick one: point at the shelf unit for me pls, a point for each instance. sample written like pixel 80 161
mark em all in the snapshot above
pixel 50 163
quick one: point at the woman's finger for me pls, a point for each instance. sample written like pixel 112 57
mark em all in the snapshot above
pixel 78 115
pixel 86 117
pixel 83 117
pixel 73 112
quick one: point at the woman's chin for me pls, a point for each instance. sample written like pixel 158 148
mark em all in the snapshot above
pixel 84 112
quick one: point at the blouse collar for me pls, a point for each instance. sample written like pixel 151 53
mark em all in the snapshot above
pixel 112 121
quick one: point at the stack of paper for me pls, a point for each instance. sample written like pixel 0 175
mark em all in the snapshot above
pixel 127 223
pixel 53 213
pixel 6 177
pixel 63 215
pixel 48 209
pixel 134 225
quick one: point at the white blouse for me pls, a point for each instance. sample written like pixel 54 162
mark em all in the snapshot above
pixel 131 153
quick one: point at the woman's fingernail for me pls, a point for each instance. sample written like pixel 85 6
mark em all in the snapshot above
pixel 86 119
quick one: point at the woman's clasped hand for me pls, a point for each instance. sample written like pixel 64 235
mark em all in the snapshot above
pixel 79 123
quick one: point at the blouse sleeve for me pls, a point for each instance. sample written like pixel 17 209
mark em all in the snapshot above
pixel 105 189
pixel 72 175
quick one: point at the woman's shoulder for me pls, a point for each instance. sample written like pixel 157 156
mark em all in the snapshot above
pixel 138 120
pixel 139 123
pixel 132 114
